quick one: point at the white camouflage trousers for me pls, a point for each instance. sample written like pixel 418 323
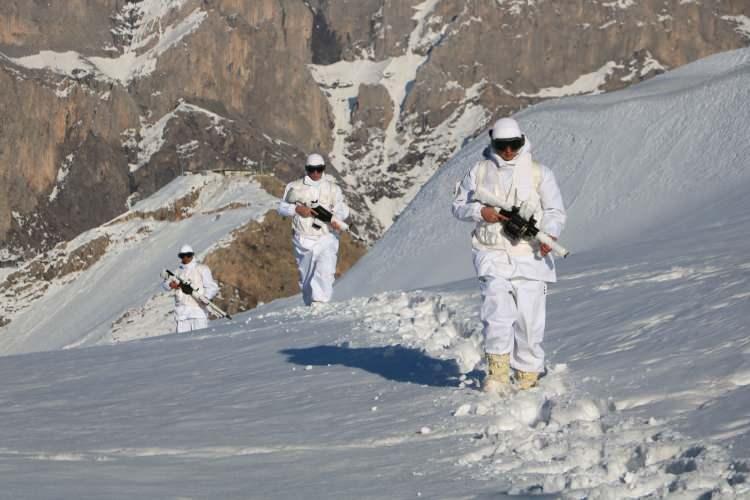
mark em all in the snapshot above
pixel 514 313
pixel 316 261
pixel 188 325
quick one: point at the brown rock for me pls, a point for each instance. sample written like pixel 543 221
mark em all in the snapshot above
pixel 373 108
pixel 60 158
pixel 29 27
pixel 362 29
pixel 248 58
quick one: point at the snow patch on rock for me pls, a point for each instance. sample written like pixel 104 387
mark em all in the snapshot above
pixel 152 134
pixel 341 82
pixel 742 24
pixel 131 64
pixel 62 173
pixel 589 83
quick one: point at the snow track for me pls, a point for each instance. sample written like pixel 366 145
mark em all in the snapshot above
pixel 547 441
pixel 554 439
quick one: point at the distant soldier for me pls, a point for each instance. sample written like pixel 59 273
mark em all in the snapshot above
pixel 189 313
pixel 513 272
pixel 318 208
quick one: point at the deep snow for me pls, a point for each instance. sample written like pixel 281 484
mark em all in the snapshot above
pixel 375 396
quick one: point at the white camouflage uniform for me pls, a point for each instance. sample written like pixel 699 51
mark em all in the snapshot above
pixel 188 312
pixel 513 276
pixel 315 248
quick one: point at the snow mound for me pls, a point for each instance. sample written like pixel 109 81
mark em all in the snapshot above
pixel 557 445
pixel 630 164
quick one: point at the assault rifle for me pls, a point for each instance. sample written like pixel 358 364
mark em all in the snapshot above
pixel 517 226
pixel 321 213
pixel 187 289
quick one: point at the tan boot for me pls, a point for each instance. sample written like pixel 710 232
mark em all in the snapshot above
pixel 526 380
pixel 498 376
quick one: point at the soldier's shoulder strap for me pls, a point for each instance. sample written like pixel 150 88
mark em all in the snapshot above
pixel 536 174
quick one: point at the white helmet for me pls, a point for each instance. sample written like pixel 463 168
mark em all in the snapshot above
pixel 315 160
pixel 186 249
pixel 506 128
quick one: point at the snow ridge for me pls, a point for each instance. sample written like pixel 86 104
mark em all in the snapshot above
pixel 203 209
pixel 152 135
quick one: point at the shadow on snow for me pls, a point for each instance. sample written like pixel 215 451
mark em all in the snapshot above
pixel 398 363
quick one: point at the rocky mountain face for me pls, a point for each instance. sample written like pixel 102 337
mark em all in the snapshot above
pixel 414 79
pixel 105 101
pixel 123 96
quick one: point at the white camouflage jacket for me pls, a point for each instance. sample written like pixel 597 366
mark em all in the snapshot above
pixel 326 192
pixel 538 191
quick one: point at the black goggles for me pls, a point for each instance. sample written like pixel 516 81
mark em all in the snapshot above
pixel 514 144
pixel 315 168
pixel 183 255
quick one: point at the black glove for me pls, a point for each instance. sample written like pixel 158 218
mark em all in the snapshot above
pixel 186 288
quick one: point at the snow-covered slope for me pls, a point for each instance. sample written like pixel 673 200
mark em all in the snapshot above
pixel 375 396
pixel 80 303
pixel 633 165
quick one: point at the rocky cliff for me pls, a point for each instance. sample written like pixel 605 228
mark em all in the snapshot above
pixel 130 94
pixel 108 100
